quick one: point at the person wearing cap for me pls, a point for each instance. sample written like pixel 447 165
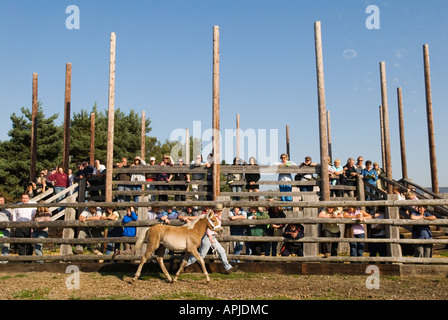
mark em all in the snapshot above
pixel 209 241
pixel 151 176
pixel 184 177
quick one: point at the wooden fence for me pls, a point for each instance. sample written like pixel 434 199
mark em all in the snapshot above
pixel 306 201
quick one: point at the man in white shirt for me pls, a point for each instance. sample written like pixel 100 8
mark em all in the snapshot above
pixel 24 214
pixel 89 214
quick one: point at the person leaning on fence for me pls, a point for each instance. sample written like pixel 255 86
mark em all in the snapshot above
pixel 252 179
pixel 285 176
pixel 189 214
pixel 196 177
pixel 164 177
pixel 293 231
pixel 129 232
pixel 370 176
pixel 349 177
pixel 24 215
pixel 5 215
pixel 256 247
pixel 89 214
pixel 378 231
pixel 111 214
pixel 138 162
pixel 168 214
pixel 183 177
pixel 307 176
pixel 235 177
pixel 237 214
pixel 330 230
pixel 274 230
pixel 42 214
pixel 356 230
pixel 123 177
pixel 423 250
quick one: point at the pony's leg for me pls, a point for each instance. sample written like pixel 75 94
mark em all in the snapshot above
pixel 145 257
pixel 182 265
pixel 202 263
pixel 160 254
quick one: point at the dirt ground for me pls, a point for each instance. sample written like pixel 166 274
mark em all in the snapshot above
pixel 237 286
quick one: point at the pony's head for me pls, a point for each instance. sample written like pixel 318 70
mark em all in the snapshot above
pixel 213 223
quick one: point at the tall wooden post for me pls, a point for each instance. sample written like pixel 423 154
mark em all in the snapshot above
pixel 238 135
pixel 187 146
pixel 143 139
pixel 330 149
pixel 325 179
pixel 34 130
pixel 288 150
pixel 386 125
pixel 429 115
pixel 216 155
pixel 67 108
pixel 92 138
pixel 110 120
pixel 383 149
pixel 404 166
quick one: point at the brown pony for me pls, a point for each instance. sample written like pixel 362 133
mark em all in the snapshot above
pixel 186 239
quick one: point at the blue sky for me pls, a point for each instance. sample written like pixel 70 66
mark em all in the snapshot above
pixel 267 68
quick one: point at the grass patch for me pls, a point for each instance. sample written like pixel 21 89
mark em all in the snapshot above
pixel 38 294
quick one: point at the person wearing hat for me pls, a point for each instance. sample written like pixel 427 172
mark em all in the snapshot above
pixel 137 176
pixel 209 241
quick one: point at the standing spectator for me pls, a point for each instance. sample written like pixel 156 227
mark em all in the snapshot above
pixel 98 168
pixel 41 182
pixel 129 248
pixel 137 176
pixel 235 177
pixel 71 180
pixel 252 179
pixel 164 177
pixel 422 232
pixel 285 176
pixel 370 176
pixel 378 231
pixel 294 232
pixel 209 186
pixel 197 177
pixel 380 173
pixel 24 214
pixel 338 171
pixel 151 176
pixel 307 176
pixel 5 215
pixel 184 177
pixel 123 177
pixel 274 230
pixel 356 230
pixel 255 247
pixel 359 165
pixel 330 230
pixel 236 214
pixel 115 232
pixel 349 177
pixel 60 182
pixel 42 214
pixel 89 214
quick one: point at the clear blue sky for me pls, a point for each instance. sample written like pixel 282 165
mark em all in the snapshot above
pixel 268 76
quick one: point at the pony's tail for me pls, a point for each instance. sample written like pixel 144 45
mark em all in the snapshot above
pixel 141 240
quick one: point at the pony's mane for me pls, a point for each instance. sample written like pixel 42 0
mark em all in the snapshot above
pixel 192 224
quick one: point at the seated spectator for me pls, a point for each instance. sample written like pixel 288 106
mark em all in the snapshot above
pixel 42 214
pixel 330 230
pixel 89 214
pixel 31 189
pixel 295 232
